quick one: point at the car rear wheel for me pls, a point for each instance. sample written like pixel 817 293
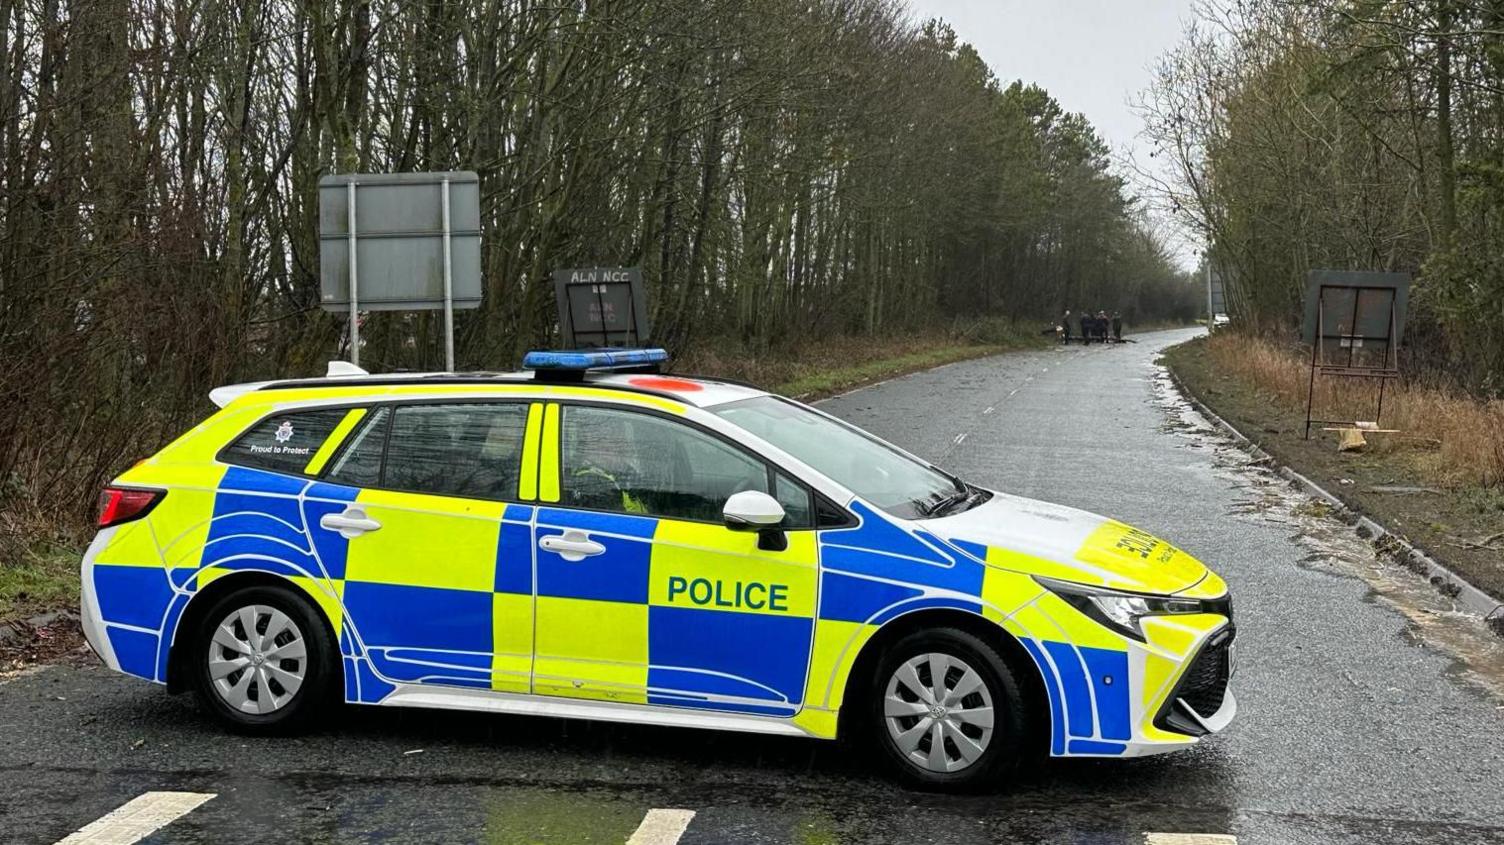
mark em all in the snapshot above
pixel 264 660
pixel 947 711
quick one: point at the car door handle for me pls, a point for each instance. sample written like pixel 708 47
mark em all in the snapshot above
pixel 350 524
pixel 571 545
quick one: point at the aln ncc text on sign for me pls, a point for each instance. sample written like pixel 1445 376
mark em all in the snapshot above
pixel 586 277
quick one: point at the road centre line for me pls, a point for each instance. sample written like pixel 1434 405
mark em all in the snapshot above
pixel 1189 839
pixel 661 827
pixel 137 818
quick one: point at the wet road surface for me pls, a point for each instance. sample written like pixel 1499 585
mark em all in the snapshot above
pixel 1369 712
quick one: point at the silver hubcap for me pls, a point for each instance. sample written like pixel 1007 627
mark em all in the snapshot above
pixel 257 659
pixel 939 712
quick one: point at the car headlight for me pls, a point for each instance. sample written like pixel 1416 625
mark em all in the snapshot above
pixel 1122 611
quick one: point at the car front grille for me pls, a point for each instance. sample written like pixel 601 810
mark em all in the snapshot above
pixel 1202 687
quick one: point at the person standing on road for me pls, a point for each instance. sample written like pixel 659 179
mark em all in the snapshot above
pixel 1102 326
pixel 1065 328
pixel 1117 326
pixel 1086 327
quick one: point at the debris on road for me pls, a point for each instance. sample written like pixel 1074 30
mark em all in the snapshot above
pixel 49 637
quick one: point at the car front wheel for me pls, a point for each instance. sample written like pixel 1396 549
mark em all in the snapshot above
pixel 263 661
pixel 947 711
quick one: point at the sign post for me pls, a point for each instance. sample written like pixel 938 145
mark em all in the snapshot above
pixel 417 246
pixel 354 285
pixel 1216 293
pixel 448 286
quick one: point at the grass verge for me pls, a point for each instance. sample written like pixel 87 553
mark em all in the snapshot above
pixel 37 575
pixel 1440 484
pixel 829 382
pixel 813 369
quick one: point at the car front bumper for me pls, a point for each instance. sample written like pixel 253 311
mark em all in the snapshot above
pixel 1115 696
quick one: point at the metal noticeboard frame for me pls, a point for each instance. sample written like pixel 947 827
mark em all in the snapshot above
pixel 400 242
pixel 604 292
pixel 1326 329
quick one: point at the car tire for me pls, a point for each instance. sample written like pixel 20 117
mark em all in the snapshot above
pixel 275 680
pixel 902 720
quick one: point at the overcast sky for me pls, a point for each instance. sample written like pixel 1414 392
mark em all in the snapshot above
pixel 1094 56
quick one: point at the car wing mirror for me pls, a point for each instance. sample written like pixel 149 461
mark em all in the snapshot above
pixel 753 510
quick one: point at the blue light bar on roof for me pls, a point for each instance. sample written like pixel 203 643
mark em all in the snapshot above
pixel 592 359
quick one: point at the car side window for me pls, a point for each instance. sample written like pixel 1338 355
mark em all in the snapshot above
pixel 359 464
pixel 284 442
pixel 471 449
pixel 629 462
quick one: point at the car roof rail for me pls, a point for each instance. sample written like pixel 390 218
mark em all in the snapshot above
pixel 547 366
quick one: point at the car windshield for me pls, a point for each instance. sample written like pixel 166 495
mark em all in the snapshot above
pixel 873 470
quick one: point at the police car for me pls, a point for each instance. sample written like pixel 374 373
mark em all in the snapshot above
pixel 594 539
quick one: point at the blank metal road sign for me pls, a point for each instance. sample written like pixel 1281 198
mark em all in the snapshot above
pixel 399 228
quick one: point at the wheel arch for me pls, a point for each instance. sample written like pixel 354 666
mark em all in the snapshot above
pixel 205 597
pixel 1028 673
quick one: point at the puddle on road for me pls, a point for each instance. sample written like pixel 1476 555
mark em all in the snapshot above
pixel 1334 547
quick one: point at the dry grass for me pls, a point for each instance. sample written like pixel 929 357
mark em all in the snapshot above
pixel 817 367
pixel 38 567
pixel 1452 439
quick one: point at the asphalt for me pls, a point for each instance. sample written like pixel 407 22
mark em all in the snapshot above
pixel 1369 711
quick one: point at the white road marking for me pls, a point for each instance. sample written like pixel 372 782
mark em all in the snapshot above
pixel 1189 839
pixel 661 827
pixel 960 437
pixel 1011 392
pixel 990 409
pixel 137 818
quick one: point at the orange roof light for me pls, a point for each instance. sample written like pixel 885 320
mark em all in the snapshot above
pixel 662 383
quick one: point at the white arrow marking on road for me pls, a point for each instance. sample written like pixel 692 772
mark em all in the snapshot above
pixel 661 827
pixel 137 818
pixel 1189 839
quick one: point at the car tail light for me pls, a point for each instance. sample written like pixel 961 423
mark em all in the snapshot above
pixel 123 504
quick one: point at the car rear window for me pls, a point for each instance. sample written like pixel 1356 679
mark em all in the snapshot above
pixel 359 465
pixel 471 449
pixel 284 442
